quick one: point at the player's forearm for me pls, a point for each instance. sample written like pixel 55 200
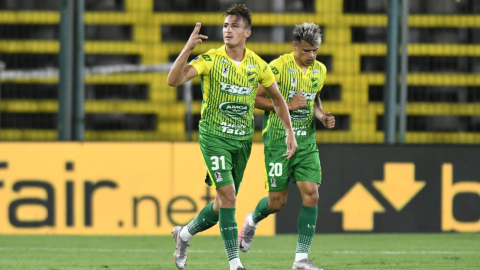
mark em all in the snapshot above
pixel 281 109
pixel 177 73
pixel 318 112
pixel 264 103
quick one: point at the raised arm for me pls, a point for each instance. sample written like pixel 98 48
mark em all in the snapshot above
pixel 266 104
pixel 180 72
pixel 280 107
pixel 327 119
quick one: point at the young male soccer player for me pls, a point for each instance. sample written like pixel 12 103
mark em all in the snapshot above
pixel 300 78
pixel 230 76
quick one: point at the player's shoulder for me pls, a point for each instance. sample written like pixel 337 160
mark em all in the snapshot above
pixel 282 59
pixel 320 67
pixel 254 56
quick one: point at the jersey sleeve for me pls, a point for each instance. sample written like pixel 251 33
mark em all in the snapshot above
pixel 203 63
pixel 267 78
pixel 323 76
pixel 276 67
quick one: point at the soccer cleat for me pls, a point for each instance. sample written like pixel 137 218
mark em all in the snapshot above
pixel 305 264
pixel 180 254
pixel 245 237
pixel 241 268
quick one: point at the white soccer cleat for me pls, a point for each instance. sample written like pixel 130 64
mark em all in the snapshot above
pixel 245 237
pixel 180 254
pixel 305 264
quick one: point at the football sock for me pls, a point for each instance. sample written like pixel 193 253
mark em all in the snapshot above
pixel 261 211
pixel 235 263
pixel 307 221
pixel 229 231
pixel 206 219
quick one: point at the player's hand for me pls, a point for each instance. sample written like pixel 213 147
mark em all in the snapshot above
pixel 291 145
pixel 195 37
pixel 328 120
pixel 298 101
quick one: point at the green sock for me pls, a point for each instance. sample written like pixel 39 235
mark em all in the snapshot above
pixel 206 219
pixel 229 231
pixel 261 211
pixel 307 221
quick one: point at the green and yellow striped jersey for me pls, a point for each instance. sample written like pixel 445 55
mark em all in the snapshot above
pixel 290 79
pixel 229 92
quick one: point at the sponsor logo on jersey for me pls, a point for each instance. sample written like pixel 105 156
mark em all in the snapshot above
pixel 308 96
pixel 292 70
pixel 225 62
pixel 294 82
pixel 273 182
pixel 234 110
pixel 218 176
pixel 235 89
pixel 252 76
pixel 275 71
pixel 250 66
pixel 206 57
pixel 315 71
pixel 314 82
pixel 225 72
pixel 300 115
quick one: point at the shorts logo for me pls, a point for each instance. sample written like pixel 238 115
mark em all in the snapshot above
pixel 218 175
pixel 273 182
pixel 294 82
pixel 225 72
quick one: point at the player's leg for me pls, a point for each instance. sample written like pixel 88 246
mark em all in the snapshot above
pixel 217 158
pixel 230 233
pixel 277 172
pixel 308 178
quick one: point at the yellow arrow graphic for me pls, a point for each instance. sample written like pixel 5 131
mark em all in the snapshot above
pixel 399 185
pixel 358 206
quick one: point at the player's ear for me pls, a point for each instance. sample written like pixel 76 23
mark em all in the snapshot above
pixel 248 32
pixel 294 45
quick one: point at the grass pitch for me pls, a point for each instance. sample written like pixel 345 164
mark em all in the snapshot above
pixel 331 251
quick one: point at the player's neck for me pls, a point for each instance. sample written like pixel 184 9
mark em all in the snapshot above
pixel 299 64
pixel 235 53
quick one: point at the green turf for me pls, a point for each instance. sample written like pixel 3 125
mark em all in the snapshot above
pixel 331 251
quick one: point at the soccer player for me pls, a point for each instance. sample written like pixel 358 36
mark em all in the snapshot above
pixel 230 76
pixel 300 78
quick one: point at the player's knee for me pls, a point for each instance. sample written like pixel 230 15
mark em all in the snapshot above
pixel 228 201
pixel 311 198
pixel 277 204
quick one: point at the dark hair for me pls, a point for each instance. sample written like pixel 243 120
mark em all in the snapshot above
pixel 241 11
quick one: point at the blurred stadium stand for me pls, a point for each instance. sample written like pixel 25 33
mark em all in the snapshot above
pixel 443 82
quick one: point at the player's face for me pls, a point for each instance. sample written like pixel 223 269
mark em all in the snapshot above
pixel 305 53
pixel 235 32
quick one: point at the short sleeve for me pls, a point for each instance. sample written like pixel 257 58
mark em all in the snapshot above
pixel 276 67
pixel 323 74
pixel 267 78
pixel 202 63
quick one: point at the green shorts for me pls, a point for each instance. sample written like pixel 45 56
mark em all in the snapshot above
pixel 226 160
pixel 303 166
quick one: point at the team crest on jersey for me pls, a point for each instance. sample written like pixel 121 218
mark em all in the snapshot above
pixel 225 62
pixel 314 82
pixel 315 71
pixel 294 82
pixel 252 76
pixel 250 66
pixel 225 71
pixel 273 182
pixel 218 176
pixel 206 57
pixel 292 70
pixel 275 71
